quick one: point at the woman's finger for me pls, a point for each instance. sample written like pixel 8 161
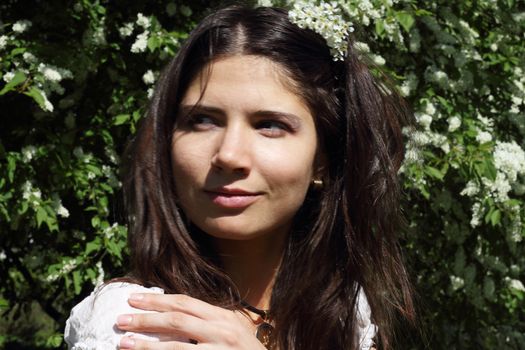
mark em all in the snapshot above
pixel 176 323
pixel 139 344
pixel 175 302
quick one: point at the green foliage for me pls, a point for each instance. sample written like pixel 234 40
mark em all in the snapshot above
pixel 75 81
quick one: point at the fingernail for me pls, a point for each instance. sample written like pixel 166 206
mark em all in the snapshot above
pixel 124 320
pixel 136 297
pixel 127 343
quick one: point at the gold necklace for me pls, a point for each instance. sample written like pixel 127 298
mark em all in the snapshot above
pixel 263 330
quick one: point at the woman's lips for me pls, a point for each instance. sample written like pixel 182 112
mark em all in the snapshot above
pixel 232 198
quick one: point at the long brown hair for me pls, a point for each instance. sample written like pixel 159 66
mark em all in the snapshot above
pixel 344 236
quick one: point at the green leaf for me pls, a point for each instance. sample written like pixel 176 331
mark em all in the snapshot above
pixel 95 221
pixel 18 79
pixel 11 167
pixel 4 303
pixel 121 119
pixel 434 172
pixel 491 210
pixel 77 281
pixel 490 169
pixel 18 51
pixel 37 96
pixel 380 28
pixel 41 216
pixel 113 248
pixel 54 340
pixel 495 217
pixel 405 19
pixel 94 245
pixel 23 207
pixel 153 43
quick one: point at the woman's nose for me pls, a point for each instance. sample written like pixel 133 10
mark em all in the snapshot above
pixel 233 151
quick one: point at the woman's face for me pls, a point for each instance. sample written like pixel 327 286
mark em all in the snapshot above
pixel 243 159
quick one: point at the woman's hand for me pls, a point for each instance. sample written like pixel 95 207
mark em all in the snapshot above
pixel 180 316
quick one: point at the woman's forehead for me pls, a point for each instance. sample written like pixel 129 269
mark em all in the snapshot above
pixel 250 78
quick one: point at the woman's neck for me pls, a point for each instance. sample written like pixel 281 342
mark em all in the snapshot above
pixel 253 266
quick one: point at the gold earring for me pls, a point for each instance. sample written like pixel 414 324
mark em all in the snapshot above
pixel 317 184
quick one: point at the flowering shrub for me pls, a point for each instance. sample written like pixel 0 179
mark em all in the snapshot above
pixel 74 82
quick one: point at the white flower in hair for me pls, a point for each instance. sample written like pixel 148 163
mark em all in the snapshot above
pixel 325 19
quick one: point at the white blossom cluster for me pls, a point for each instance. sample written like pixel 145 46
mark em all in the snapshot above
pixel 100 275
pixel 66 268
pixel 8 76
pixel 47 80
pixel 31 194
pixel 143 21
pixel 471 189
pixel 419 139
pixel 110 231
pixel 485 130
pixel 21 26
pixel 112 155
pixel 454 123
pixel 113 181
pixel 29 57
pixel 141 41
pixel 509 161
pixel 83 157
pixel 59 207
pixel 52 76
pixel 3 41
pixel 409 85
pixel 437 76
pixel 28 153
pixel 477 214
pixel 50 73
pixel 456 282
pixel 515 284
pixel 364 10
pixel 264 3
pixel 148 78
pixel 126 30
pixel 325 19
pixel 48 106
pixel 34 196
pixel 98 37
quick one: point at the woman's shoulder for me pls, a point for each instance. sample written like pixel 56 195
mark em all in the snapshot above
pixel 91 324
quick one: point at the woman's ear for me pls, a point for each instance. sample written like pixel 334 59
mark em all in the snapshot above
pixel 320 166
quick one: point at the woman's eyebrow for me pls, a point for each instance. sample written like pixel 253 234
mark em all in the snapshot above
pixel 184 109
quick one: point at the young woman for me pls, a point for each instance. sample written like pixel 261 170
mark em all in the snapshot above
pixel 263 200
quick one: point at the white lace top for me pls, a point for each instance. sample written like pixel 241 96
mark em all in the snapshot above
pixel 91 324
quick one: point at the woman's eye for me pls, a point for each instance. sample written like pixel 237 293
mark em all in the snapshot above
pixel 202 122
pixel 273 128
